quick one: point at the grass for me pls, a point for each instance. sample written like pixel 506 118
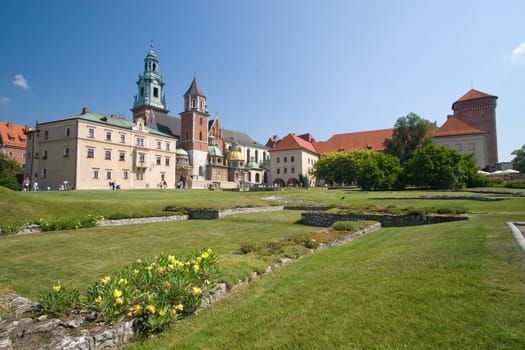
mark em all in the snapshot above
pixel 451 286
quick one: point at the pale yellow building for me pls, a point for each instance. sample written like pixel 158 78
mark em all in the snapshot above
pixel 95 151
pixel 291 160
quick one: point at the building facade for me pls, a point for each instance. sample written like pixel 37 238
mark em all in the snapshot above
pixel 203 156
pixel 95 151
pixel 13 142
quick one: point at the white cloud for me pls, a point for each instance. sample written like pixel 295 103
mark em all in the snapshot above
pixel 21 82
pixel 4 100
pixel 518 52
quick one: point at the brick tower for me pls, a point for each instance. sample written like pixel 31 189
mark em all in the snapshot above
pixel 478 109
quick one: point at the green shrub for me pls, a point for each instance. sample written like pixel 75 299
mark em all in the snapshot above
pixel 10 227
pixel 345 226
pixel 68 223
pixel 154 292
pixel 519 185
pixel 59 300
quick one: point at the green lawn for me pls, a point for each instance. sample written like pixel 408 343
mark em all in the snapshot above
pixel 447 286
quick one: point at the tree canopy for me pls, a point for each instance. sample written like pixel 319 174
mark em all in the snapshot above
pixel 8 171
pixel 410 133
pixel 518 163
pixel 439 167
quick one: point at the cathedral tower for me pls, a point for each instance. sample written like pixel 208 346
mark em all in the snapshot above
pixel 194 129
pixel 478 109
pixel 150 96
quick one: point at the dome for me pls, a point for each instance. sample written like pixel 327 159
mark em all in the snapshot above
pixel 214 151
pixel 252 165
pixel 181 152
pixel 234 155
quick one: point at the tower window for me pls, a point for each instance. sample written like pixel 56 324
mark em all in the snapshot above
pixel 141 91
pixel 200 135
pixel 68 131
pixel 193 103
pixel 156 92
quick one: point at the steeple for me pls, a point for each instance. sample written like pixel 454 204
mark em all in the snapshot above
pixel 194 98
pixel 150 86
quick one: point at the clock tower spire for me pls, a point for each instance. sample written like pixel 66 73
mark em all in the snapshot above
pixel 150 95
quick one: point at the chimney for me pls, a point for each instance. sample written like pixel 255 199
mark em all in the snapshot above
pixel 85 110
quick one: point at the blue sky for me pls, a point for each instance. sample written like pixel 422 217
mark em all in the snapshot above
pixel 268 67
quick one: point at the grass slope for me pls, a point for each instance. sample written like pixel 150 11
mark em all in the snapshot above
pixel 446 286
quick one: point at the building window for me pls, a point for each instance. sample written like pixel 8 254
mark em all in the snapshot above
pixel 44 155
pixel 285 170
pixel 200 121
pixel 159 145
pixel 292 159
pixel 90 152
pixel 46 135
pixel 125 174
pixel 91 133
pixel 139 141
pixel 108 135
pixel 142 157
pixel 167 146
pixel 200 135
pixel 44 173
pixel 122 156
pixel 156 92
pixel 141 91
pixel 193 103
pixel 66 151
pixel 278 171
pixel 158 160
pixel 68 131
pixel 140 175
pixel 292 170
pixel 95 173
pixel 167 161
pixel 108 174
pixel 278 159
pixel 122 138
pixel 285 159
pixel 107 154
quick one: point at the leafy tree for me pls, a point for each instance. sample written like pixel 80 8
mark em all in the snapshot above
pixel 371 170
pixel 410 133
pixel 8 171
pixel 518 163
pixel 440 167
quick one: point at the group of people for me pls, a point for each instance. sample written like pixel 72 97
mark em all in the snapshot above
pixel 114 186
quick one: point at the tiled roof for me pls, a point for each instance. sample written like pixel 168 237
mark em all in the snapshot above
pixel 372 139
pixel 291 142
pixel 12 134
pixel 241 138
pixel 454 126
pixel 194 89
pixel 473 95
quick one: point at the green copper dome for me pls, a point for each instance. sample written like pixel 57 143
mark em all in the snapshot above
pixel 252 165
pixel 214 151
pixel 181 152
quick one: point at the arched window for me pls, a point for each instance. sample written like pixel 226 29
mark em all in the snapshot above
pixel 200 135
pixel 257 178
pixel 193 103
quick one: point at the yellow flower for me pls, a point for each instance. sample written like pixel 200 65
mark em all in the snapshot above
pixel 105 280
pixel 205 255
pixel 179 307
pixel 171 259
pixel 136 310
pixel 162 313
pixel 117 293
pixel 199 259
pixel 57 288
pixel 98 299
pixel 123 281
pixel 136 272
pixel 139 261
pixel 196 268
pixel 150 308
pixel 119 301
pixel 149 267
pixel 173 313
pixel 209 251
pixel 196 291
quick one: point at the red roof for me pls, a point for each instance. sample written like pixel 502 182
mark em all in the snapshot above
pixel 372 139
pixel 12 135
pixel 290 142
pixel 473 95
pixel 454 126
